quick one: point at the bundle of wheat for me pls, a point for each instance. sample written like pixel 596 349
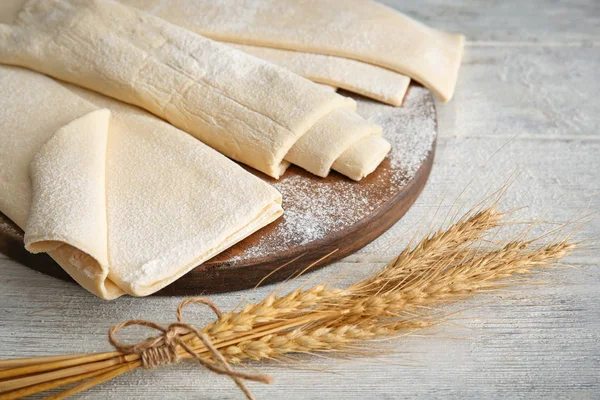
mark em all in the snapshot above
pixel 406 295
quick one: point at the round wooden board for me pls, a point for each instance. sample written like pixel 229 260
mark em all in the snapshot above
pixel 331 217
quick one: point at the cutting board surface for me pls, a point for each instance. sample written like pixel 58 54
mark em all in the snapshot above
pixel 324 217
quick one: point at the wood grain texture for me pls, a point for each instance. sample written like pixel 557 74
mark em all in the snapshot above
pixel 536 343
pixel 513 23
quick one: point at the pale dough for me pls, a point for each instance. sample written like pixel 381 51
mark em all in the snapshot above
pixel 327 141
pixel 354 76
pixel 9 10
pixel 328 87
pixel 125 202
pixel 70 168
pixel 246 108
pixel 358 29
pixel 360 159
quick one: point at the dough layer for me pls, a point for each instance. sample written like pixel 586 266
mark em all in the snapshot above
pixel 360 159
pixel 328 140
pixel 248 109
pixel 362 30
pixel 123 201
pixel 354 76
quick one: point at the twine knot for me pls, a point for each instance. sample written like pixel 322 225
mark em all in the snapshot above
pixel 170 345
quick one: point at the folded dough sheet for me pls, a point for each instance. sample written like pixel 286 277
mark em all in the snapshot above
pixel 362 30
pixel 368 80
pixel 123 201
pixel 250 110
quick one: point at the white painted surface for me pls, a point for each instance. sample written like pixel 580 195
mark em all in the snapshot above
pixel 527 102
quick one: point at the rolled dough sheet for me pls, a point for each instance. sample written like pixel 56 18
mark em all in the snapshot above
pixel 329 139
pixel 360 159
pixel 248 109
pixel 354 76
pixel 123 201
pixel 358 29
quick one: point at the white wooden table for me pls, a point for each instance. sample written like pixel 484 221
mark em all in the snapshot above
pixel 527 101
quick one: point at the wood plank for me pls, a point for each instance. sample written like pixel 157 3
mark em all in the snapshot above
pixel 535 93
pixel 543 341
pixel 555 22
pixel 557 180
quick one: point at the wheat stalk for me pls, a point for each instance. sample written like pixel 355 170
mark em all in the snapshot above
pixel 317 338
pixel 441 246
pixel 404 296
pixel 270 309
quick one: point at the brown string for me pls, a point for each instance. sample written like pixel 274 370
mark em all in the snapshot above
pixel 162 349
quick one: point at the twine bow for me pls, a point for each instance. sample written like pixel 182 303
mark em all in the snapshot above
pixel 163 349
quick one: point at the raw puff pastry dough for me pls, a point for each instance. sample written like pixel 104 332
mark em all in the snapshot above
pixel 365 79
pixel 123 201
pixel 354 76
pixel 358 29
pixel 248 109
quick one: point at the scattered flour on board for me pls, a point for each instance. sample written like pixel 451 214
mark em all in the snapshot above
pixel 315 208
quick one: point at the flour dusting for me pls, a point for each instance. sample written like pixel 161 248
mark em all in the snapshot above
pixel 316 207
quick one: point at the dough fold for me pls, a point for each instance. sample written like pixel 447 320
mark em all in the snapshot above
pixel 362 30
pixel 68 176
pixel 123 201
pixel 246 108
pixel 354 76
